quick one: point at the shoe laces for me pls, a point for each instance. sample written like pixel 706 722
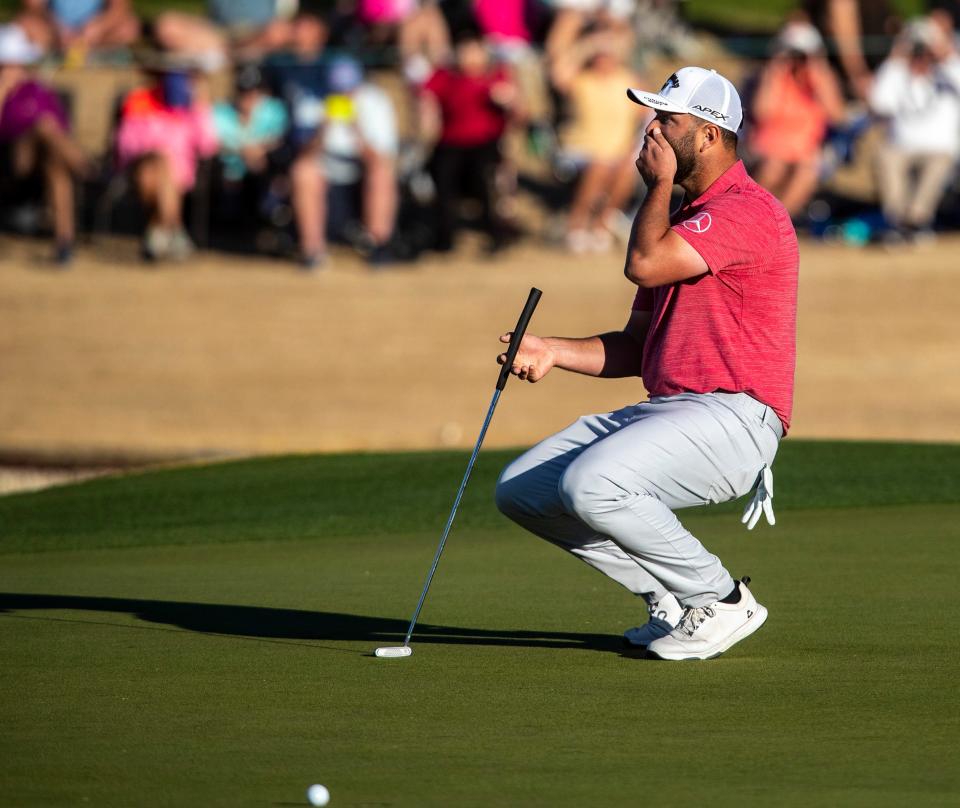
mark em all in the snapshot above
pixel 693 617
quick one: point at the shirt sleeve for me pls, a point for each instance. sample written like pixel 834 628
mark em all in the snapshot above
pixel 273 122
pixel 889 87
pixel 735 232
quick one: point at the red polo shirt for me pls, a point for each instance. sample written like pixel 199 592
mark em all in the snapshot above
pixel 469 117
pixel 734 328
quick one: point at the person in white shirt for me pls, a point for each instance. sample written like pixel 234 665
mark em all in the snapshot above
pixel 348 170
pixel 917 91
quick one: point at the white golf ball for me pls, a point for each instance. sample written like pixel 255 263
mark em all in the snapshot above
pixel 318 795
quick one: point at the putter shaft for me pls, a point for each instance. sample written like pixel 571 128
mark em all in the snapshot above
pixel 516 338
pixel 453 513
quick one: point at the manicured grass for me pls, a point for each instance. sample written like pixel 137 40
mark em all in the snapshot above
pixel 202 636
pixel 307 497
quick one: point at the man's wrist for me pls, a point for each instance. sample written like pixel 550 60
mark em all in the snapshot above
pixel 658 188
pixel 657 200
pixel 555 346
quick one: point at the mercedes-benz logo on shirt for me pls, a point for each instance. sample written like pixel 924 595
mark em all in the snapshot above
pixel 699 223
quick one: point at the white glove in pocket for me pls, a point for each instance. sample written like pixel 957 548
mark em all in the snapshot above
pixel 761 502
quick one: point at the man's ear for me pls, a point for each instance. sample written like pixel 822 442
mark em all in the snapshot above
pixel 711 137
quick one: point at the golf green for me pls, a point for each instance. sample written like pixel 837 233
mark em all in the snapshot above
pixel 203 637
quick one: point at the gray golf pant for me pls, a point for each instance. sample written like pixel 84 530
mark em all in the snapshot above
pixel 605 488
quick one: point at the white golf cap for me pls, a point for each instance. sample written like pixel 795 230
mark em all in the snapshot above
pixel 697 91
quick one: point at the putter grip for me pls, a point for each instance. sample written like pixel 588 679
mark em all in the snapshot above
pixel 517 336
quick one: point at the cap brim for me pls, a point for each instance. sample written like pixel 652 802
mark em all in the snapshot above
pixel 653 100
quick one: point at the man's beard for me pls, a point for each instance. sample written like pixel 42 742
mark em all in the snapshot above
pixel 685 149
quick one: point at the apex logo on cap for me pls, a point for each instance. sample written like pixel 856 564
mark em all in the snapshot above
pixel 699 223
pixel 718 115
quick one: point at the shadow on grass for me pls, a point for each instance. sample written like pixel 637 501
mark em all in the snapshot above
pixel 295 624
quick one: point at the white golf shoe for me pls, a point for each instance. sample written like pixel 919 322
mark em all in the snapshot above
pixel 664 616
pixel 707 631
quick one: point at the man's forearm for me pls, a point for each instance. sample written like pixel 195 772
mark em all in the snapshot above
pixel 651 224
pixel 612 355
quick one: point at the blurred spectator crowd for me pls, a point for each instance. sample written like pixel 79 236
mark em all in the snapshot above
pixel 389 125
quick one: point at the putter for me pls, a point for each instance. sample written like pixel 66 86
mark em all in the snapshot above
pixel 395 651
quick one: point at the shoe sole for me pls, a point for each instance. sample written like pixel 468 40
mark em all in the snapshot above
pixel 754 623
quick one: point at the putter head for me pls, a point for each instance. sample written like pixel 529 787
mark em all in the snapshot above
pixel 393 651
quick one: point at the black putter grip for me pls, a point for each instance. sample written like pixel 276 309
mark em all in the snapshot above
pixel 518 333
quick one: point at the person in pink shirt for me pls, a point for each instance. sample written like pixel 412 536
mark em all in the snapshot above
pixel 797 98
pixel 712 333
pixel 35 137
pixel 503 21
pixel 164 130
